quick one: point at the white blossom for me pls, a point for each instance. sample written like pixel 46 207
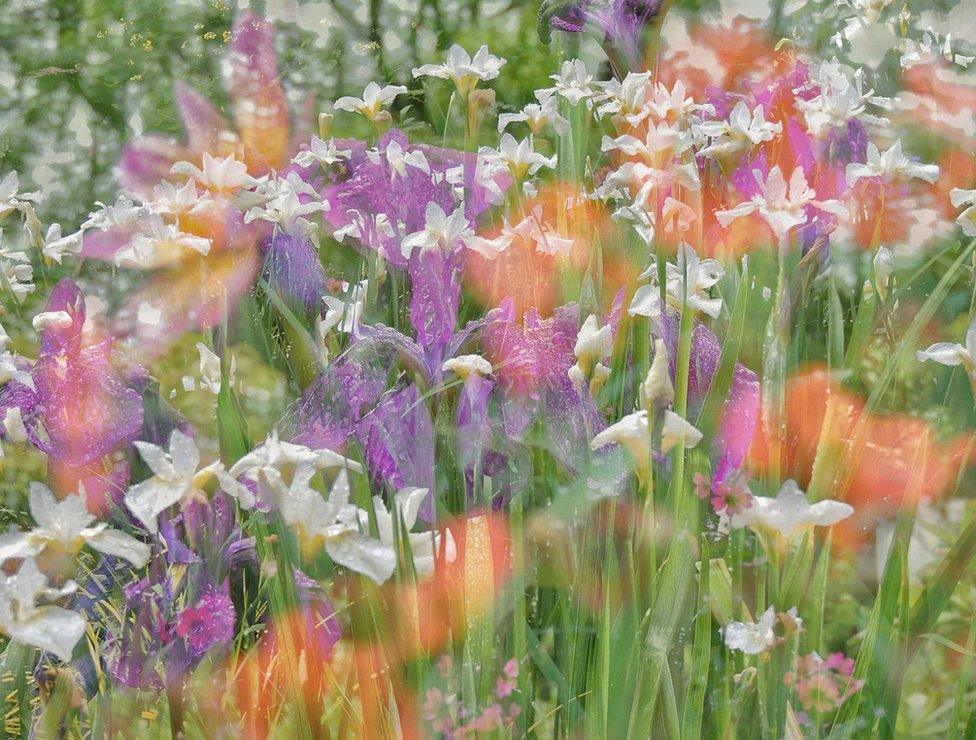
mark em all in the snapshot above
pixel 57 246
pixel 48 627
pixel 519 157
pixel 465 365
pixel 742 132
pixel 373 102
pixel 573 81
pixel 947 353
pixel 966 219
pixel 67 526
pixel 890 164
pixel 398 159
pixel 462 69
pixel 537 116
pixel 687 280
pixel 424 546
pixel 326 153
pixel 440 231
pixel 218 175
pixel 790 513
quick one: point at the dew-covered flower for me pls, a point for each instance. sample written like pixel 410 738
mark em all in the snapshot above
pixel 753 638
pixel 657 387
pixel 465 365
pixel 627 99
pixel 463 70
pixel 64 527
pixel 398 159
pixel 742 132
pixel 375 99
pixel 440 231
pixel 947 353
pixel 286 202
pixel 219 175
pixel 343 314
pixel 783 206
pixel 48 627
pixel 688 280
pixel 177 478
pixel 325 153
pixel 424 546
pixel 210 375
pixel 839 97
pixel 11 199
pixel 732 495
pixel 790 514
pixel 633 433
pixel 518 157
pixel 272 465
pixel 890 164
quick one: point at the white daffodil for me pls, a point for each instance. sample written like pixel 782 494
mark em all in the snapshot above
pixel 325 153
pixel 537 116
pixel 754 638
pixel 782 205
pixel 465 365
pixel 519 157
pixel 462 70
pixel 175 479
pixel 626 99
pixel 424 546
pixel 64 527
pixel 344 314
pixel 272 465
pixel 947 353
pixel 223 176
pixel 689 280
pixel 375 99
pixel 790 513
pixel 398 159
pixel 440 231
pixel 573 81
pixel 334 524
pixel 966 219
pixel 890 164
pixel 742 132
pixel 57 246
pixel 283 203
pixel 48 627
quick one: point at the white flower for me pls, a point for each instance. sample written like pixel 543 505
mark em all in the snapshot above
pixel 174 201
pixel 398 159
pixel 283 204
pixel 17 273
pixel 155 243
pixel 56 246
pixel 742 132
pixel 464 71
pixel 273 464
pixel 519 157
pixel 175 478
pixel 424 546
pixel 370 230
pixel 657 386
pixel 627 99
pixel 946 353
pixel 219 175
pixel 210 376
pixel 573 81
pixel 689 280
pixel 930 51
pixel 790 513
pixel 67 526
pixel 537 116
pixel 593 343
pixel 840 98
pixel 52 320
pixel 890 164
pixel 324 152
pixel 47 627
pixel 13 424
pixel 9 369
pixel 344 314
pixel 374 100
pixel 120 214
pixel 966 219
pixel 751 638
pixel 334 524
pixel 11 199
pixel 676 431
pixel 531 229
pixel 782 206
pixel 658 147
pixel 440 231
pixel 674 104
pixel 465 365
